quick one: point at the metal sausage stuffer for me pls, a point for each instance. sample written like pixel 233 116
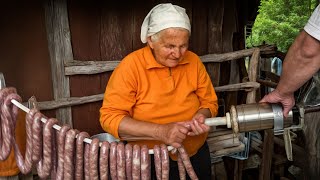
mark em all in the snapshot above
pixel 255 117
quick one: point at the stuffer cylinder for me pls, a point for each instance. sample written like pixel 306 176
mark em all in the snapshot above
pixel 253 117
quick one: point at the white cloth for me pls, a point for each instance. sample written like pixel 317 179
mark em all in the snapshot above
pixel 164 16
pixel 313 25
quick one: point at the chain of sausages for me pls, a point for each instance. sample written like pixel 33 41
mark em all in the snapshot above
pixel 63 154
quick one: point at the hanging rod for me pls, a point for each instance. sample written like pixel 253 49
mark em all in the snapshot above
pixel 57 127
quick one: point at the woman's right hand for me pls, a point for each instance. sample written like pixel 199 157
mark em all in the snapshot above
pixel 171 134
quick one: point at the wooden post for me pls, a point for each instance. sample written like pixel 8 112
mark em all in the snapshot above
pixel 60 50
pixel 265 168
pixel 253 73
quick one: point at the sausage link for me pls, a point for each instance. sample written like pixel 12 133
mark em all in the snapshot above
pixel 80 155
pixel 104 160
pixel 145 163
pixel 182 170
pixel 86 161
pixel 37 137
pixel 8 118
pixel 187 164
pixel 157 161
pixel 69 146
pixel 136 164
pixel 45 164
pixel 54 155
pixel 164 162
pixel 93 159
pixel 25 165
pixel 121 162
pixel 128 152
pixel 113 160
pixel 61 143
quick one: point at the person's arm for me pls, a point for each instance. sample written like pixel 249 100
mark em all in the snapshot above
pixel 208 103
pixel 197 123
pixel 301 62
pixel 172 133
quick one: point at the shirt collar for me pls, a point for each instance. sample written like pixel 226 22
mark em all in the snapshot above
pixel 151 61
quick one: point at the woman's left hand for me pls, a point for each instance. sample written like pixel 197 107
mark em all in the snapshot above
pixel 197 125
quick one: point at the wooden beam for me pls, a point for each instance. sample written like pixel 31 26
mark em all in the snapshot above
pixel 59 43
pixel 73 101
pixel 265 168
pixel 73 67
pixel 248 86
pixel 253 74
pixel 89 67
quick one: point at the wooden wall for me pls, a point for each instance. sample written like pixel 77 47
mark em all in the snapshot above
pixel 107 31
pixel 24 55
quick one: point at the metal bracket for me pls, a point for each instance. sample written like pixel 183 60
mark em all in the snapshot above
pixel 278 119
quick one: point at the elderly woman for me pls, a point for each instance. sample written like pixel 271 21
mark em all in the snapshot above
pixel 162 92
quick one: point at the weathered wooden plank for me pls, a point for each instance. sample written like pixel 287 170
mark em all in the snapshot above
pixel 93 67
pixel 90 67
pixel 265 168
pixel 234 55
pixel 215 23
pixel 58 34
pixel 253 74
pixel 228 29
pixel 73 101
pixel 248 86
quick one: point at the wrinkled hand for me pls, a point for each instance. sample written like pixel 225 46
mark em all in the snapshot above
pixel 287 101
pixel 172 134
pixel 197 125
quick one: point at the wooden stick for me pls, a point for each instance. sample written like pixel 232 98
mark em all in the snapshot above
pixel 73 67
pixel 227 151
pixel 220 138
pixel 219 133
pixel 227 143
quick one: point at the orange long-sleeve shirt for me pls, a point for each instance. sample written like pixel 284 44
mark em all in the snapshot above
pixel 148 91
pixel 9 166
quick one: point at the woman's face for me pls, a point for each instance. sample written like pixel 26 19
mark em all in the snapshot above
pixel 170 46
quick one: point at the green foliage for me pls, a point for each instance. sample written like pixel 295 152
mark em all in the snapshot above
pixel 280 21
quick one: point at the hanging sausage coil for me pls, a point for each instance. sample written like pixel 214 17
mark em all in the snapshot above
pixel 60 152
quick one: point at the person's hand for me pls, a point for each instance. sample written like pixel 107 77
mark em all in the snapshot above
pixel 172 133
pixel 287 101
pixel 197 125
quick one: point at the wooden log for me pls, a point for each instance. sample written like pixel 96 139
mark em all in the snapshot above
pixel 227 143
pixel 220 133
pixel 89 67
pixel 230 150
pixel 247 86
pixel 72 101
pixel 59 42
pixel 253 73
pixel 65 102
pixel 233 55
pixel 220 138
pixel 267 83
pixel 73 67
pixel 265 168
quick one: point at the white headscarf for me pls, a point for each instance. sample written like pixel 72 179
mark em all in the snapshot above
pixel 164 16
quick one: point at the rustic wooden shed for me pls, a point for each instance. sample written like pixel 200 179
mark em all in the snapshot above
pixel 45 45
pixel 63 51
